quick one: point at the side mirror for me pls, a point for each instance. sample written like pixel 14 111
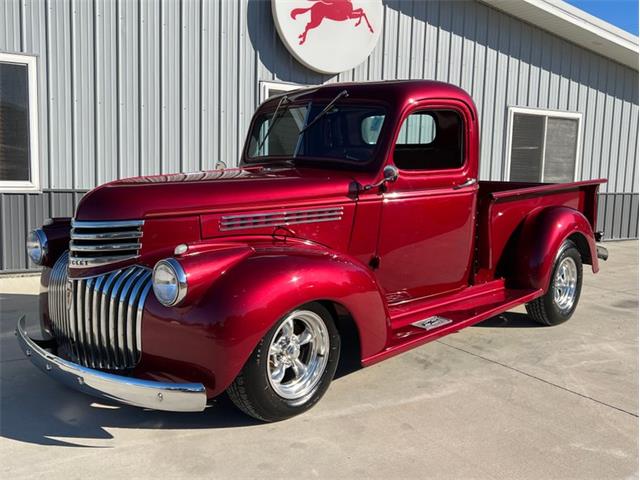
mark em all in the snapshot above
pixel 389 175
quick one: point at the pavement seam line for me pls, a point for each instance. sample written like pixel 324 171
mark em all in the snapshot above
pixel 8 360
pixel 540 379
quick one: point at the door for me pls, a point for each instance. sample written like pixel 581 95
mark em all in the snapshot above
pixel 428 215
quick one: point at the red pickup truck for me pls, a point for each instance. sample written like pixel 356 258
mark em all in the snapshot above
pixel 355 217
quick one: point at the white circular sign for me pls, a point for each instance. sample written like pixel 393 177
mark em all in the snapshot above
pixel 329 36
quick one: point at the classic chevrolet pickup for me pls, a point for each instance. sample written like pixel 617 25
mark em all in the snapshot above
pixel 356 208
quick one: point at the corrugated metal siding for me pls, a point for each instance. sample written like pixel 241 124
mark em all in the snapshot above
pixel 19 213
pixel 618 215
pixel 141 87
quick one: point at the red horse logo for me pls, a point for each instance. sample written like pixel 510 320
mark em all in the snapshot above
pixel 338 10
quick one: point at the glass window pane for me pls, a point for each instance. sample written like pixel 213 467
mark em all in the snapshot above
pixel 418 128
pixel 560 152
pixel 430 140
pixel 526 148
pixel 272 92
pixel 370 128
pixel 337 135
pixel 14 123
pixel 283 133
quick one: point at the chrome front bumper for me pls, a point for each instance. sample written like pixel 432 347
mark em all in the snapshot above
pixel 175 397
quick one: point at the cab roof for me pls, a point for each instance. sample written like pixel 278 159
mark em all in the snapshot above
pixel 396 92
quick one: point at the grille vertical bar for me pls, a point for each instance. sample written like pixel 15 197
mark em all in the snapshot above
pixel 114 301
pixel 99 325
pixel 121 341
pixel 56 297
pixel 88 323
pixel 95 325
pixel 73 325
pixel 78 306
pixel 142 298
pixel 105 326
pixel 137 294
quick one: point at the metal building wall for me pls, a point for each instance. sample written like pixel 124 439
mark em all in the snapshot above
pixel 140 87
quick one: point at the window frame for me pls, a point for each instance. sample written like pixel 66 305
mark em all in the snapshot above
pixel 266 87
pixel 337 161
pixel 512 111
pixel 418 112
pixel 455 106
pixel 33 185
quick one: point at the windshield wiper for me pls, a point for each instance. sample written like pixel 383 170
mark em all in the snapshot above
pixel 324 111
pixel 274 120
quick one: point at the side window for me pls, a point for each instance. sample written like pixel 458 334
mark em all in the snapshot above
pixel 430 140
pixel 19 164
pixel 418 129
pixel 370 128
pixel 544 145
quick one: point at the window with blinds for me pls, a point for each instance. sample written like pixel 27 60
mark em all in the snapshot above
pixel 544 146
pixel 18 123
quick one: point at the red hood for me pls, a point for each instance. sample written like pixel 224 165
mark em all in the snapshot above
pixel 140 197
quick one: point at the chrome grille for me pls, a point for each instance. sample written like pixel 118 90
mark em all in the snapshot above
pixel 94 244
pixel 275 219
pixel 99 325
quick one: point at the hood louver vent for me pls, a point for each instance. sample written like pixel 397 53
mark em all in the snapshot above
pixel 276 219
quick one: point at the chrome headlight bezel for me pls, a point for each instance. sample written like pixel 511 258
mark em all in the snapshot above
pixel 173 292
pixel 37 246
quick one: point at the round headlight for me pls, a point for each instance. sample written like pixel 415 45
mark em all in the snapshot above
pixel 37 246
pixel 169 282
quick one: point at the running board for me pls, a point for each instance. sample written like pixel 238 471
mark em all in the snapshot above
pixel 451 318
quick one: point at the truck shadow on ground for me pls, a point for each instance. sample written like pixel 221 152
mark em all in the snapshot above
pixel 35 409
pixel 509 320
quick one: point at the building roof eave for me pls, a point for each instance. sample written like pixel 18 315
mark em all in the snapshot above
pixel 575 25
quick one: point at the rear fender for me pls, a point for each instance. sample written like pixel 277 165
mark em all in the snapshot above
pixel 219 330
pixel 540 239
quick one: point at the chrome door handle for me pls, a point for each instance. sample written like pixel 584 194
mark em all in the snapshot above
pixel 468 183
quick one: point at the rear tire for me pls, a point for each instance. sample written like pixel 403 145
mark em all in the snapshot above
pixel 292 366
pixel 558 304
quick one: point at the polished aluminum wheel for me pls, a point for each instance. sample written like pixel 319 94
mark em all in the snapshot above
pixel 298 355
pixel 565 284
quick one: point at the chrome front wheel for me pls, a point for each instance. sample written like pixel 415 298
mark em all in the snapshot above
pixel 298 355
pixel 291 367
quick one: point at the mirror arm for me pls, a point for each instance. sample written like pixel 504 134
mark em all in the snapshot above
pixel 390 174
pixel 378 184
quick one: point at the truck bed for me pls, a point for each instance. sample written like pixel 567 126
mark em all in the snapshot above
pixel 503 206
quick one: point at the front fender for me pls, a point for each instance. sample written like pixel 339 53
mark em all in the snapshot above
pixel 542 235
pixel 213 336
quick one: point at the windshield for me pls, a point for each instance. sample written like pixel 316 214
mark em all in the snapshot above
pixel 344 133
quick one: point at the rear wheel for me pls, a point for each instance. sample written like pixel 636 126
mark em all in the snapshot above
pixel 292 366
pixel 560 301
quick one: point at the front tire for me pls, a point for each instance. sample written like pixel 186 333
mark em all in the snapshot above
pixel 292 366
pixel 558 304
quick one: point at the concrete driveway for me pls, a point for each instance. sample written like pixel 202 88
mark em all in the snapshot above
pixel 504 399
